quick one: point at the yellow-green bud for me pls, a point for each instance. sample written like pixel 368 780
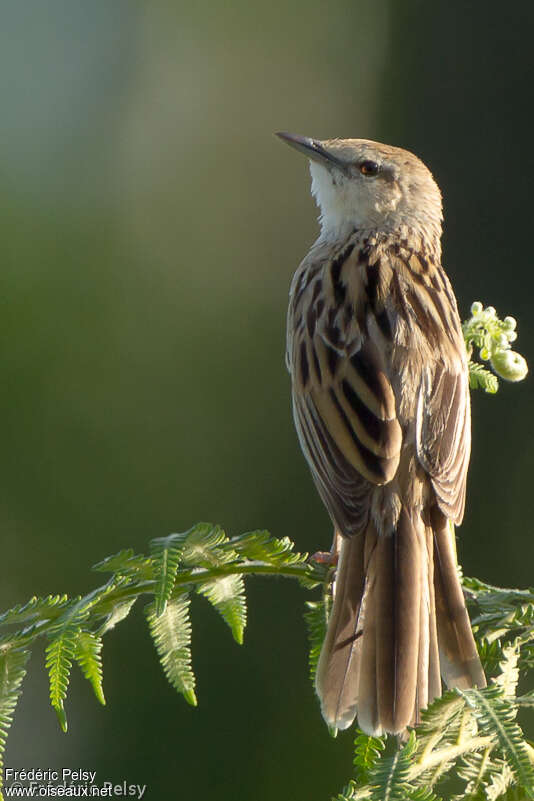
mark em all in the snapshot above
pixel 509 323
pixel 509 365
pixel 476 308
pixel 490 311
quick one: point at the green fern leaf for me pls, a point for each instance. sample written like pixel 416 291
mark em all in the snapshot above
pixel 87 655
pixel 117 612
pixel 423 794
pixel 202 547
pixel 171 632
pixel 12 672
pixel 126 563
pixel 490 654
pixel 260 546
pixel 481 378
pixel 367 752
pixel 348 793
pixel 474 769
pixel 509 676
pixel 33 609
pixel 502 786
pixel 441 722
pixel 167 554
pixel 495 715
pixel 59 656
pixel 316 622
pixel 526 700
pixel 227 595
pixel 389 777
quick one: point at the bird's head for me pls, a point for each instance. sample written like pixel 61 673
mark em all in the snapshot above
pixel 367 185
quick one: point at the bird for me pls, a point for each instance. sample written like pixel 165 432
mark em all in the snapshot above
pixel 380 398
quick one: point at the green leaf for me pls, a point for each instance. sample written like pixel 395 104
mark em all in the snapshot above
pixel 509 676
pixel 87 655
pixel 166 555
pixel 441 724
pixel 316 622
pixel 227 595
pixel 422 794
pixel 260 546
pixel 473 770
pixel 367 752
pixel 388 778
pixel 202 547
pixel 481 378
pixel 348 792
pixel 126 563
pixel 34 609
pixel 59 657
pixel 171 632
pixel 12 672
pixel 495 716
pixel 119 611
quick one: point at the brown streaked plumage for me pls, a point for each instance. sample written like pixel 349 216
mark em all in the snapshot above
pixel 381 406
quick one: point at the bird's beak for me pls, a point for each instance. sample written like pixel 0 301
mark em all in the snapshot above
pixel 313 148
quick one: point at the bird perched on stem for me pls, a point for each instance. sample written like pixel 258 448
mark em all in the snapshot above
pixel 381 407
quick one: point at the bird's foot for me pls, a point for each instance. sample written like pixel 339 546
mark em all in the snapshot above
pixel 328 558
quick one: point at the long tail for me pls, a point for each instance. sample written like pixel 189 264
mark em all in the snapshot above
pixel 398 625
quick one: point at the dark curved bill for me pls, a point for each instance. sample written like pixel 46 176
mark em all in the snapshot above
pixel 313 148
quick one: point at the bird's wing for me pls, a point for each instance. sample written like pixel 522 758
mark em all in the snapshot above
pixel 344 404
pixel 444 433
pixel 441 403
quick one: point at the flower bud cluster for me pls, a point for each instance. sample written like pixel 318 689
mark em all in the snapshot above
pixel 493 337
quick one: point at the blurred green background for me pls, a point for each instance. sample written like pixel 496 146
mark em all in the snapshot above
pixel 150 224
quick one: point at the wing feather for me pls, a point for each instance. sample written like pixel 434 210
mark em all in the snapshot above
pixel 343 402
pixel 444 433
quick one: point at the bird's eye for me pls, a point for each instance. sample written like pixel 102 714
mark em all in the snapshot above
pixel 369 168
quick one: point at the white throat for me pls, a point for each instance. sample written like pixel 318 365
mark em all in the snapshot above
pixel 347 204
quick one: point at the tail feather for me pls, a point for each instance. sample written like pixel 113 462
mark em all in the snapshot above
pixel 398 615
pixel 423 658
pixel 460 664
pixel 434 674
pixel 398 599
pixel 338 669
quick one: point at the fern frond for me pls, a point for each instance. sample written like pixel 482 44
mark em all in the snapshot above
pixel 502 786
pixel 349 792
pixel 227 595
pixel 12 672
pixel 526 700
pixel 367 752
pixel 87 655
pixel 171 632
pixel 422 794
pixel 495 715
pixel 316 622
pixel 490 655
pixel 118 612
pixel 166 555
pixel 59 657
pixel 473 769
pixel 126 563
pixel 509 676
pixel 388 778
pixel 260 546
pixel 34 608
pixel 201 547
pixel 481 378
pixel 442 726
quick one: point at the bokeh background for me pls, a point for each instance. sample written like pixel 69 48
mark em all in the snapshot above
pixel 149 226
